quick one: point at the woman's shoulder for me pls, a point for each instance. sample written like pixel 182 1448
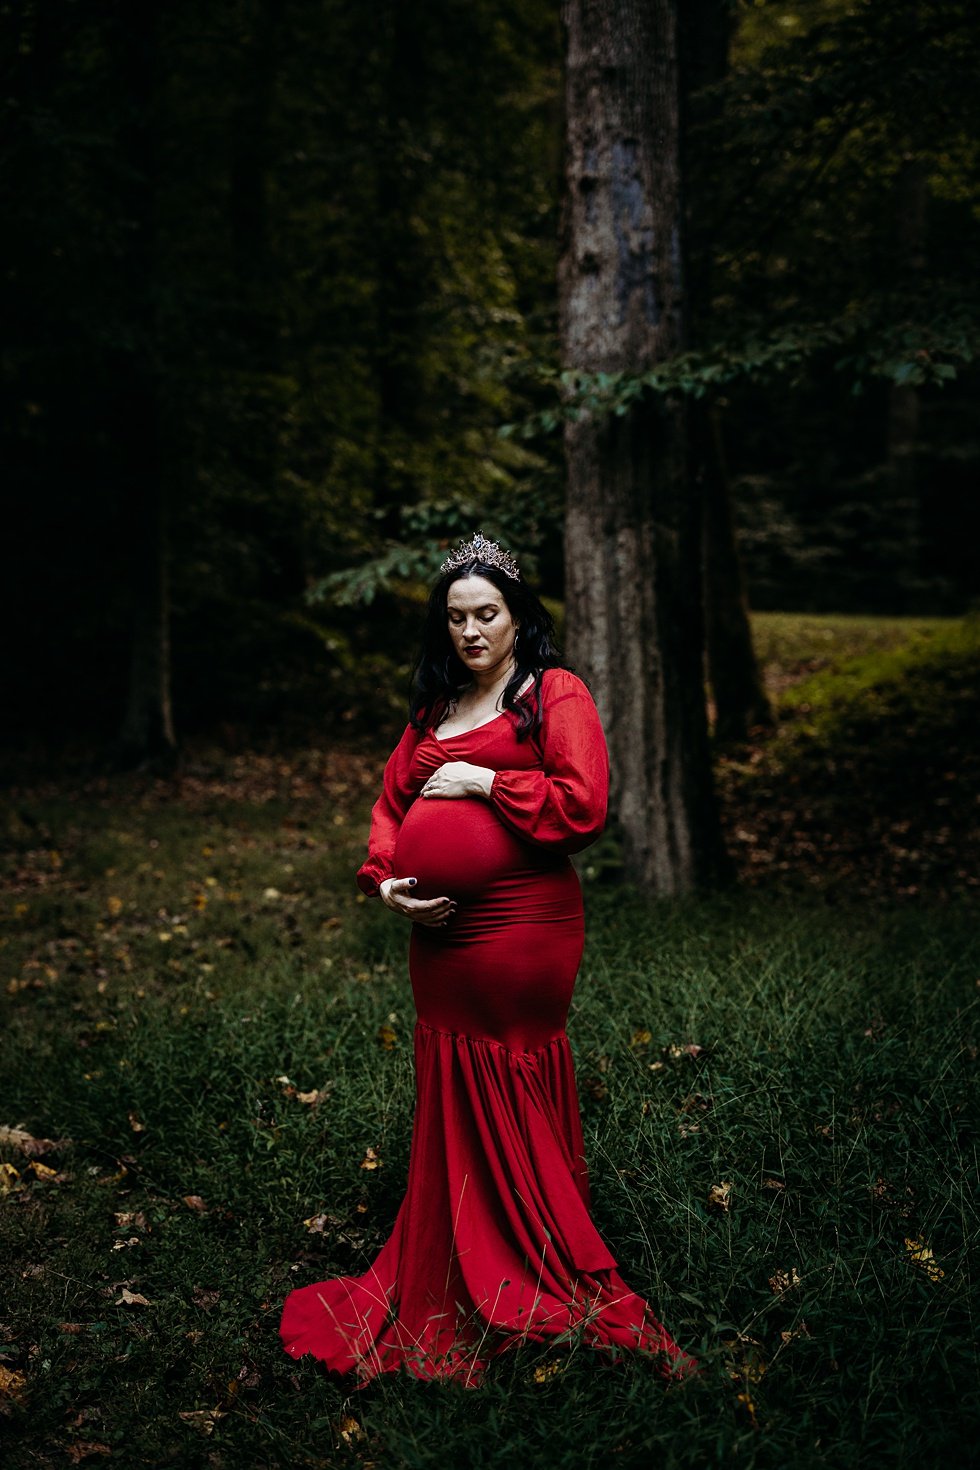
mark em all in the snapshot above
pixel 561 683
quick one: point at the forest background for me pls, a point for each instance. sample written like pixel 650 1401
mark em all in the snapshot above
pixel 280 323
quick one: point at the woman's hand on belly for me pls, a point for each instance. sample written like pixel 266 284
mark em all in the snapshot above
pixel 396 895
pixel 459 778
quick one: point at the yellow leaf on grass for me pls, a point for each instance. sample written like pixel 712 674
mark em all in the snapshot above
pixel 203 1420
pixel 387 1036
pixel 350 1431
pixel 114 905
pixel 129 1298
pixel 922 1255
pixel 12 1383
pixel 370 1160
pixel 719 1196
pixel 9 1179
pixel 548 1370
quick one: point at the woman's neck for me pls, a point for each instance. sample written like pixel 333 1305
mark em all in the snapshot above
pixel 491 684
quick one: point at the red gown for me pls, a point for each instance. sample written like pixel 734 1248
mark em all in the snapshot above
pixel 493 1243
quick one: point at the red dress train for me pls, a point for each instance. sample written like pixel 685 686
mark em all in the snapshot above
pixel 493 1243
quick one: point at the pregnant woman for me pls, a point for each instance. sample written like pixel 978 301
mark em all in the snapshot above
pixel 501 773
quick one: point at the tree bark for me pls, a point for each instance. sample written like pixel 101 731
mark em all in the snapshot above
pixel 736 682
pixel 903 411
pixel 634 622
pixel 147 733
pixel 740 698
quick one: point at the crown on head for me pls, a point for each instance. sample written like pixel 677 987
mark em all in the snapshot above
pixel 480 549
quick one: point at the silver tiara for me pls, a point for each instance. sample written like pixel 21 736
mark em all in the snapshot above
pixel 480 549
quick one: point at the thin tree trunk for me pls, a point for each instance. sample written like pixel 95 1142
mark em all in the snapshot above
pixel 741 702
pixel 733 671
pixel 902 419
pixel 147 733
pixel 632 536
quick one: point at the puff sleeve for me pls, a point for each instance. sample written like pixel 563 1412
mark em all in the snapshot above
pixel 563 805
pixel 388 813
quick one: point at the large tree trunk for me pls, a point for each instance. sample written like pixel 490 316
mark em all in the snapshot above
pixel 632 538
pixel 733 671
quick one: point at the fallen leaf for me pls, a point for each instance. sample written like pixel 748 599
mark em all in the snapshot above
pixel 922 1255
pixel 9 1179
pixel 83 1449
pixel 640 1039
pixel 203 1420
pixel 371 1160
pixel 782 1280
pixel 27 1143
pixel 135 1123
pixel 127 1219
pixel 719 1196
pixel 131 1299
pixel 12 1383
pixel 387 1037
pixel 549 1370
pixel 747 1402
pixel 43 1172
pixel 194 1202
pixel 308 1097
pixel 350 1431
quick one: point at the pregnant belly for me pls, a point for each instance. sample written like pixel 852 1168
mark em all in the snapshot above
pixel 457 847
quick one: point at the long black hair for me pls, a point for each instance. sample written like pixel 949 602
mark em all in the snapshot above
pixel 440 675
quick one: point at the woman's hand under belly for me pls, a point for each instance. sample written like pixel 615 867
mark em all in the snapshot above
pixel 457 847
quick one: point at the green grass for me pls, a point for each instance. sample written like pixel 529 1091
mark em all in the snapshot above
pixel 795 642
pixel 835 1093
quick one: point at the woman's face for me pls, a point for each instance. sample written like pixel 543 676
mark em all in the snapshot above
pixel 480 625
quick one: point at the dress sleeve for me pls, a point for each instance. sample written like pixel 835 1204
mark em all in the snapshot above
pixel 563 805
pixel 387 815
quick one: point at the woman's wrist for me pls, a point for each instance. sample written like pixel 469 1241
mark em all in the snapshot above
pixel 482 780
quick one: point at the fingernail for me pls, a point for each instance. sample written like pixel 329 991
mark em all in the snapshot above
pixel 412 882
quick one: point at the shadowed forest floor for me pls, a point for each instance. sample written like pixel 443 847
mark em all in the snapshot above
pixel 207 1096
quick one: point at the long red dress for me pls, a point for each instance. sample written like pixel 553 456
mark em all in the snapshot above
pixel 493 1243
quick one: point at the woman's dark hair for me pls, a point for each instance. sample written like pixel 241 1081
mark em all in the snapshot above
pixel 440 675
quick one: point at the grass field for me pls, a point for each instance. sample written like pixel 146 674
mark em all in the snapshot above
pixel 778 1086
